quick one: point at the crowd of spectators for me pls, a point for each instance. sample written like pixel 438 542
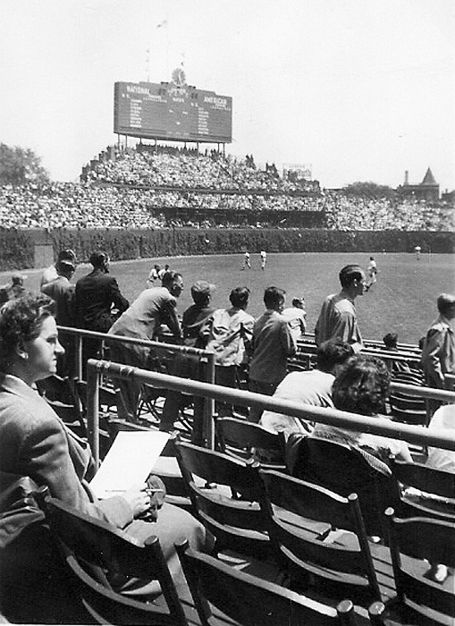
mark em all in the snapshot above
pixel 134 188
pixel 356 213
pixel 190 170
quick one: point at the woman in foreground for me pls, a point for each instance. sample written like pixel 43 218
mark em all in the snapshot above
pixel 34 442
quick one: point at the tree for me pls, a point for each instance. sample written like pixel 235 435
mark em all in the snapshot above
pixel 369 189
pixel 19 166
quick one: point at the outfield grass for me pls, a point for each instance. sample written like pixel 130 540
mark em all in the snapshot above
pixel 403 299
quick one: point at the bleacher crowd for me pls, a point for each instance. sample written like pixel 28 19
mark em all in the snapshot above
pixel 132 187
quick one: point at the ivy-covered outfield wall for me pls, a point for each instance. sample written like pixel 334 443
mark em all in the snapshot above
pixel 18 247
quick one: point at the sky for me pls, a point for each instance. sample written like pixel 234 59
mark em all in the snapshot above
pixel 359 89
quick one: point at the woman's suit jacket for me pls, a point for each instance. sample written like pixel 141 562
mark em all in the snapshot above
pixel 34 442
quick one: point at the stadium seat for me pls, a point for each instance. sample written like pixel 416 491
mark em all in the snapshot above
pixel 110 556
pixel 244 440
pixel 318 461
pixel 250 601
pixel 56 388
pixel 105 606
pixel 414 543
pixel 70 416
pixel 320 538
pixel 225 494
pixel 435 495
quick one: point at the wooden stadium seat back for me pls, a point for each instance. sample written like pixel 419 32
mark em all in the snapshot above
pixel 432 482
pixel 422 538
pixel 148 400
pixel 225 494
pixel 344 471
pixel 249 600
pixel 57 389
pixel 412 377
pixel 411 416
pixel 408 409
pixel 115 425
pixel 70 416
pixel 306 550
pixel 106 606
pixel 246 440
pixel 404 402
pixel 107 397
pixel 111 555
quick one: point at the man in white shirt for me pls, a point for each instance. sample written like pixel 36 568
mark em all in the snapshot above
pixel 312 387
pixel 295 316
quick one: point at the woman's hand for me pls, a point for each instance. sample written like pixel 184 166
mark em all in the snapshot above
pixel 138 497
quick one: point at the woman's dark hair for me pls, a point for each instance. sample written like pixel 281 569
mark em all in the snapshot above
pixel 332 352
pixel 20 321
pixel 362 385
pixel 239 297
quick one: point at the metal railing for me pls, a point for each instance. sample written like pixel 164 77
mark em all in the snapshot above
pixel 79 335
pixel 334 417
pixel 207 357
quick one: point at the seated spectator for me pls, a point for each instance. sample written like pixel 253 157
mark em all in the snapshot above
pixel 228 333
pixel 390 341
pixel 362 386
pixel 35 443
pixel 313 387
pixel 441 459
pixel 295 316
pixel 443 419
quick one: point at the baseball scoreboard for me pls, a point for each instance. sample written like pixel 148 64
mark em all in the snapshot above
pixel 172 111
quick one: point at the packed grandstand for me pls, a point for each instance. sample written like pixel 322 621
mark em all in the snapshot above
pixel 135 187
